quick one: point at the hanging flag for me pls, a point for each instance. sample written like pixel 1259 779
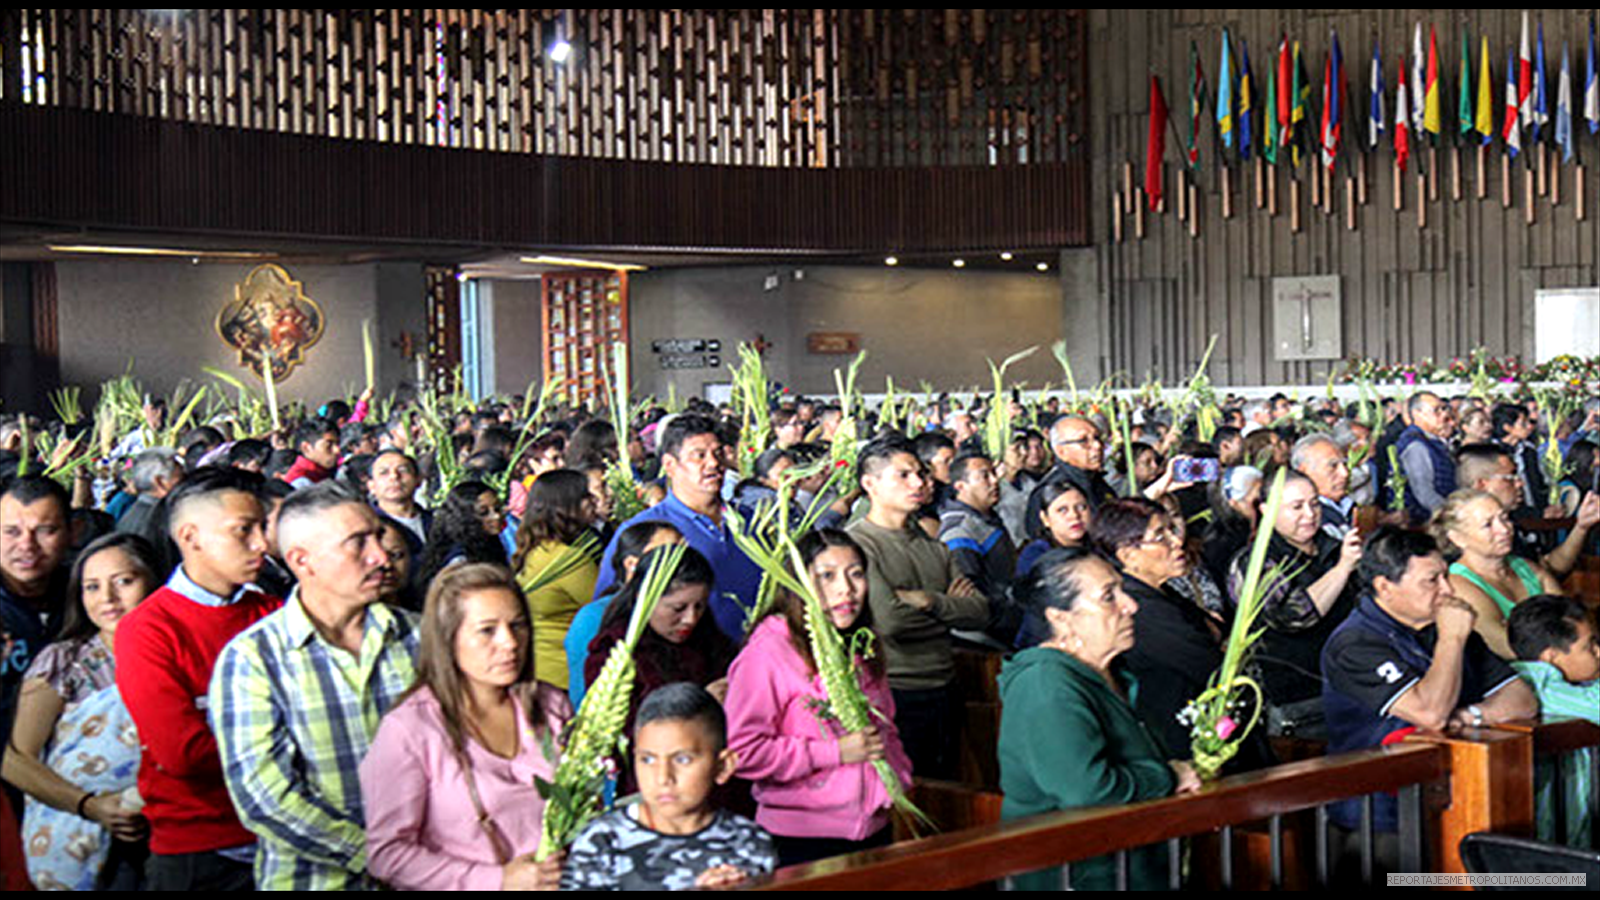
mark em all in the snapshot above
pixel 1269 131
pixel 1402 121
pixel 1246 87
pixel 1513 132
pixel 1419 76
pixel 1485 118
pixel 1564 109
pixel 1464 102
pixel 1197 102
pixel 1591 87
pixel 1285 94
pixel 1432 103
pixel 1225 94
pixel 1541 102
pixel 1332 82
pixel 1156 146
pixel 1525 79
pixel 1302 106
pixel 1375 112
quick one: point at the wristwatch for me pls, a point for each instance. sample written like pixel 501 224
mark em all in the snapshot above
pixel 1477 714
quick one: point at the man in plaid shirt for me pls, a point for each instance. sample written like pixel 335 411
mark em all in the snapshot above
pixel 297 697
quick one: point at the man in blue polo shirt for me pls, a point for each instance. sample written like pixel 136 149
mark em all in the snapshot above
pixel 1408 657
pixel 691 459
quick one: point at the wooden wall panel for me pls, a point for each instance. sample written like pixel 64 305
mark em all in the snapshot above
pixel 1464 280
pixel 67 167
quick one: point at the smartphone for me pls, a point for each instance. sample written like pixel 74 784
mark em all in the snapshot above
pixel 1195 471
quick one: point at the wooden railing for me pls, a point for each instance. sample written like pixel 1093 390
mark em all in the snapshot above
pixel 1449 786
pixel 991 852
pixel 1556 739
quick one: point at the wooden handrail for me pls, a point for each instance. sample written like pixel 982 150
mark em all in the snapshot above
pixel 990 852
pixel 1546 524
pixel 1556 736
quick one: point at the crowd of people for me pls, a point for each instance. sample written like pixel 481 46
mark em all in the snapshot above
pixel 307 660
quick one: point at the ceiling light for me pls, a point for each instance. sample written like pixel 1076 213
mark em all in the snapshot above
pixel 1006 256
pixel 1043 267
pixel 960 263
pixel 560 51
pixel 891 261
pixel 112 250
pixel 581 263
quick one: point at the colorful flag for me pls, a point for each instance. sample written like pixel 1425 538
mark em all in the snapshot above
pixel 1246 88
pixel 1513 132
pixel 1525 78
pixel 1269 134
pixel 1197 103
pixel 1225 94
pixel 1332 87
pixel 1541 102
pixel 1464 102
pixel 1564 109
pixel 1419 80
pixel 1375 111
pixel 1156 147
pixel 1591 87
pixel 1485 119
pixel 1402 121
pixel 1301 112
pixel 1432 111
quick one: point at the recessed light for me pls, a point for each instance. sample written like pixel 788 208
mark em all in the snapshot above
pixel 1006 256
pixel 891 261
pixel 1043 267
pixel 960 263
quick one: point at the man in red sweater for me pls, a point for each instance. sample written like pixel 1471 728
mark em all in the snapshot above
pixel 166 649
pixel 317 441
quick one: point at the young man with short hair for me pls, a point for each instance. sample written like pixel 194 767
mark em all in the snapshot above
pixel 166 649
pixel 918 595
pixel 317 441
pixel 975 535
pixel 297 697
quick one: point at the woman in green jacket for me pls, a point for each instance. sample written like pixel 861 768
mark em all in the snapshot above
pixel 1069 737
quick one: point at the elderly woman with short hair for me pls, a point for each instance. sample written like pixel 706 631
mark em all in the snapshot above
pixel 1069 737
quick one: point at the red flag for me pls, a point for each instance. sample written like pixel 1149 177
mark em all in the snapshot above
pixel 1285 101
pixel 1157 146
pixel 1402 121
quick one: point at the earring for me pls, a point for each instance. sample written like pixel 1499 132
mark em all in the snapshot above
pixel 1077 643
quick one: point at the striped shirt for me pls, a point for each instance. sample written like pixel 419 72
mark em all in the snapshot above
pixel 293 717
pixel 1561 699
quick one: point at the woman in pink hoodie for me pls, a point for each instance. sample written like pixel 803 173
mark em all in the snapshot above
pixel 817 790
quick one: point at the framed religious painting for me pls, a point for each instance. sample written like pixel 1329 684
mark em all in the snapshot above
pixel 270 321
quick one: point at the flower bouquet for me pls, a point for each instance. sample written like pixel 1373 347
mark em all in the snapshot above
pixel 1221 718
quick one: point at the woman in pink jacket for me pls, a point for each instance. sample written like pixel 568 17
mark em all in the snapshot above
pixel 817 791
pixel 448 785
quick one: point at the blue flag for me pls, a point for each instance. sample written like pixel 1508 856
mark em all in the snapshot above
pixel 1246 88
pixel 1564 109
pixel 1225 94
pixel 1541 99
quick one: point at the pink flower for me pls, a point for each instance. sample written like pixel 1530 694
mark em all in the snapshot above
pixel 1226 726
pixel 1508 380
pixel 1411 378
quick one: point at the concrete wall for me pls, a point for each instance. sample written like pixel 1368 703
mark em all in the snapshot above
pixel 162 315
pixel 915 324
pixel 518 333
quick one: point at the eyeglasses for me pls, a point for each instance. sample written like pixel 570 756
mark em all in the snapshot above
pixel 1172 537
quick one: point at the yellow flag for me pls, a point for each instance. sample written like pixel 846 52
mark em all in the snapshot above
pixel 1485 117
